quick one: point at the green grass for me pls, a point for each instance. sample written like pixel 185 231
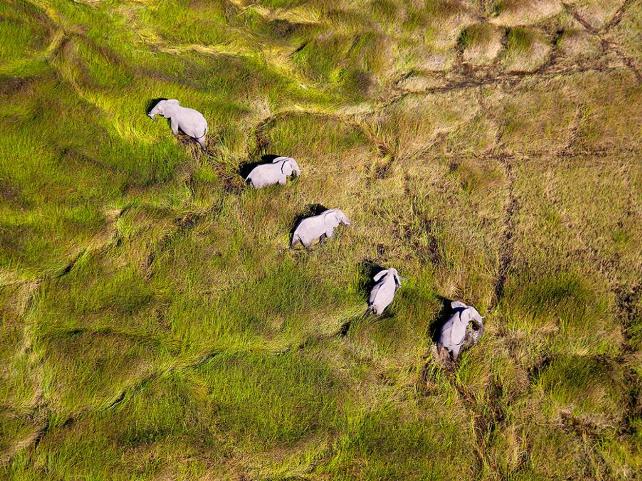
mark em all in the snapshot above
pixel 154 323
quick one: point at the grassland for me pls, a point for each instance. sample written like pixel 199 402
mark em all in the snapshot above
pixel 155 326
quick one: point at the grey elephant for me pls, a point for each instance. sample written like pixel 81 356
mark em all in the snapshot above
pixel 463 329
pixel 383 292
pixel 189 121
pixel 318 227
pixel 275 173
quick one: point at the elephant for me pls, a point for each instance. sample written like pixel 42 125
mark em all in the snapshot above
pixel 463 329
pixel 383 292
pixel 190 121
pixel 318 227
pixel 275 173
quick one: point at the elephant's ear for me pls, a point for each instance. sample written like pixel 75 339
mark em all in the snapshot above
pixel 276 160
pixel 331 217
pixel 397 279
pixel 342 217
pixel 469 315
pixel 458 305
pixel 286 167
pixel 476 318
pixel 465 316
pixel 295 167
pixel 379 275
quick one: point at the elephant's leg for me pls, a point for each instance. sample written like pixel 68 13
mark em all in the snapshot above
pixel 174 124
pixel 298 240
pixel 443 353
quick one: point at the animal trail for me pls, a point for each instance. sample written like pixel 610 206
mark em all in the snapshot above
pixel 507 241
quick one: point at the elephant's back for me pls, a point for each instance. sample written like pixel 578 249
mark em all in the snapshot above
pixel 385 294
pixel 457 330
pixel 373 294
pixel 195 114
pixel 311 225
pixel 260 176
pixel 445 335
pixel 261 170
pixel 193 118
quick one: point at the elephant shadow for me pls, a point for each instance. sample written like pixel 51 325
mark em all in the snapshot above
pixel 367 270
pixel 309 211
pixel 444 314
pixel 152 103
pixel 246 167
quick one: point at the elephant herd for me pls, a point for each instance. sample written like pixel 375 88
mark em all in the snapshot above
pixel 463 326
